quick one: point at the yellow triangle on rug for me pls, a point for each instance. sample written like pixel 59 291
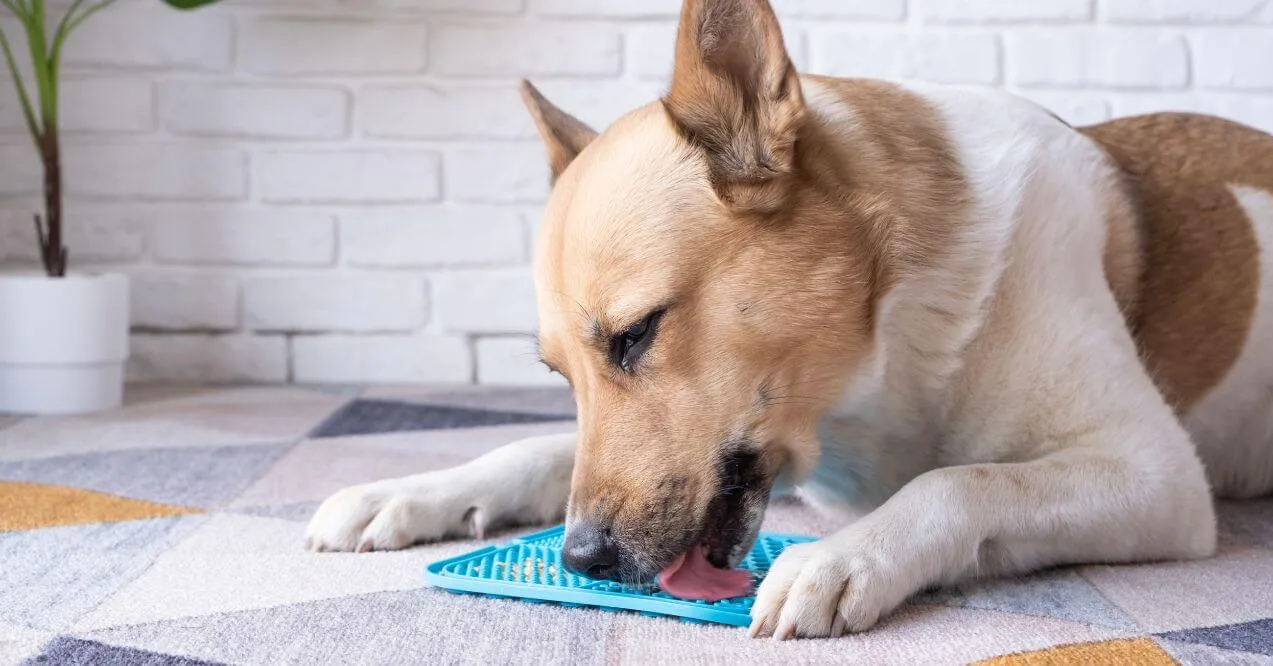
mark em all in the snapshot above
pixel 1141 651
pixel 29 506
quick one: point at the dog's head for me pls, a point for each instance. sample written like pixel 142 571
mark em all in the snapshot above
pixel 698 293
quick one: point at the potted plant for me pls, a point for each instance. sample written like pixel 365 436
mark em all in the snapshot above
pixel 63 337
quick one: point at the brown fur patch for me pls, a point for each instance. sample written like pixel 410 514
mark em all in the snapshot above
pixel 1200 279
pixel 900 138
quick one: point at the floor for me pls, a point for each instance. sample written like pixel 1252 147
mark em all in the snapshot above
pixel 169 532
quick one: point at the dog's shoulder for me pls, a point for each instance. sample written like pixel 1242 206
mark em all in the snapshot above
pixel 1200 282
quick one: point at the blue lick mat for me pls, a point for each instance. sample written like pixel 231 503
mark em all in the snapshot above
pixel 530 568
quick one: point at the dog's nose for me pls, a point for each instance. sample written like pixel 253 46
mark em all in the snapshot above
pixel 591 551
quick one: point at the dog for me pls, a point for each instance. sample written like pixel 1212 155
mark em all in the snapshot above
pixel 1003 342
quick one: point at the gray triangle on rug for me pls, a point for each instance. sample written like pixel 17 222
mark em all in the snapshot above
pixel 367 417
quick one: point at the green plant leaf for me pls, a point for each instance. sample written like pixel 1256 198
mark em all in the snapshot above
pixel 189 4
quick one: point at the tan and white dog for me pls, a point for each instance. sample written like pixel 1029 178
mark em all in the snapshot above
pixel 1010 343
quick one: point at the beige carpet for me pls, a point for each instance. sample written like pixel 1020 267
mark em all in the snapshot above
pixel 169 532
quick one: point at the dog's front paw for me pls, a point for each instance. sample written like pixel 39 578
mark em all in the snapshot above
pixel 389 515
pixel 825 588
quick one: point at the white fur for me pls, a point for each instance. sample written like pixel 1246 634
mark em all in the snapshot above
pixel 1021 432
pixel 525 482
pixel 1101 470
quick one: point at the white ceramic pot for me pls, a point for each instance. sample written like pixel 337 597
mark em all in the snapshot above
pixel 63 342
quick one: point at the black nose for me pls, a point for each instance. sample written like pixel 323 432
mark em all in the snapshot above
pixel 591 551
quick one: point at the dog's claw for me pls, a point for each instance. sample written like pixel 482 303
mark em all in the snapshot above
pixel 366 546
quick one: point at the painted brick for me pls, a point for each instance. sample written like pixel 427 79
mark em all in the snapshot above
pixel 1253 110
pixel 485 7
pixel 1118 57
pixel 1135 104
pixel 255 111
pixel 182 193
pixel 858 10
pixel 432 236
pixel 1002 11
pixel 348 176
pixel 432 112
pixel 199 41
pixel 208 358
pixel 94 232
pixel 224 235
pixel 1234 58
pixel 152 171
pixel 603 102
pixel 107 232
pixel 941 57
pixel 21 54
pixel 110 104
pixel 485 301
pixel 1076 108
pixel 334 302
pixel 182 301
pixel 381 358
pixel 20 171
pixel 1249 109
pixel 503 173
pixel 512 361
pixel 1179 11
pixel 532 216
pixel 533 50
pixel 622 9
pixel 490 112
pixel 319 46
pixel 298 4
pixel 650 49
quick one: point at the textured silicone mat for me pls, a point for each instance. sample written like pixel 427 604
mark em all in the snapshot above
pixel 530 568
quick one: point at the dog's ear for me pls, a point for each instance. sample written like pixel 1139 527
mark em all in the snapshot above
pixel 736 95
pixel 564 135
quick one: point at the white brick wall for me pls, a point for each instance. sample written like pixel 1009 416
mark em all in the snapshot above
pixel 255 111
pixel 146 36
pixel 172 300
pixel 382 358
pixel 485 301
pixel 364 302
pixel 345 190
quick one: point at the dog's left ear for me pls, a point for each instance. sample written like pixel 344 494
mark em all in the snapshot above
pixel 564 135
pixel 736 95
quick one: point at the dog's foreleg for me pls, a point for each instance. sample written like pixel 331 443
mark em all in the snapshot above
pixel 524 483
pixel 1075 505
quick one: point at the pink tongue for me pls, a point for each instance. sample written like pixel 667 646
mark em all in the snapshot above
pixel 691 576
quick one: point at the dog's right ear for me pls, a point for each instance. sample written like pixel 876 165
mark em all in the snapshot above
pixel 736 95
pixel 564 135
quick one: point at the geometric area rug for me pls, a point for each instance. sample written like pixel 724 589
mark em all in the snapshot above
pixel 169 532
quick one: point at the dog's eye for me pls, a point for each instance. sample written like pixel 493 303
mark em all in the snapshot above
pixel 627 347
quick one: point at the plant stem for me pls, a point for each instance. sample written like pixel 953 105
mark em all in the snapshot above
pixel 51 154
pixel 46 58
pixel 64 27
pixel 51 251
pixel 45 81
pixel 27 113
